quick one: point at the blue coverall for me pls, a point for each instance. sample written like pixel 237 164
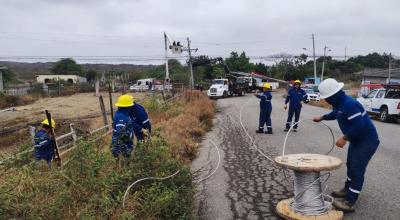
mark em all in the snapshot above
pixel 43 146
pixel 294 97
pixel 122 138
pixel 265 111
pixel 361 133
pixel 140 120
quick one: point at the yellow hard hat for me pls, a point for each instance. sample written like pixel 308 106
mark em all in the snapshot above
pixel 267 85
pixel 125 101
pixel 297 81
pixel 46 122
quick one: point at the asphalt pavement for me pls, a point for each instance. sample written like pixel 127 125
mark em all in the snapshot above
pixel 247 185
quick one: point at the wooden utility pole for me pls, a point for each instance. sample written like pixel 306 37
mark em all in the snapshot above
pixel 103 111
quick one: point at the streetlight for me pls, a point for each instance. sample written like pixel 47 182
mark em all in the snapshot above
pixel 323 62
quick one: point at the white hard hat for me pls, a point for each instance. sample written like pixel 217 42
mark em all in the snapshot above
pixel 329 87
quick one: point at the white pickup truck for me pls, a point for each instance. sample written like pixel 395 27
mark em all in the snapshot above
pixel 384 102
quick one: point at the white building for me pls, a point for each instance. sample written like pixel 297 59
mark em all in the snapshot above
pixel 68 78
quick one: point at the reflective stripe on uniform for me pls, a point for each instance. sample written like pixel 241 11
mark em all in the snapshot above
pixel 355 115
pixel 118 125
pixel 348 178
pixel 354 191
pixel 364 113
pixel 145 121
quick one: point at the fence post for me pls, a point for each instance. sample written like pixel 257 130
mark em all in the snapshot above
pixel 103 111
pixel 97 85
pixel 74 137
pixel 32 133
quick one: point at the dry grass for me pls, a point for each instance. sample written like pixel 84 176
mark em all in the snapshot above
pixel 184 123
pixel 91 186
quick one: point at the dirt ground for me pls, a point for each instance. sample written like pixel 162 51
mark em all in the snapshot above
pixel 81 109
pixel 74 106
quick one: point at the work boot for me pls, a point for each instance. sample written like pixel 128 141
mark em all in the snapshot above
pixel 340 193
pixel 344 206
pixel 269 131
pixel 260 131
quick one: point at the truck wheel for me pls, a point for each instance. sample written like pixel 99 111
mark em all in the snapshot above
pixel 383 115
pixel 225 94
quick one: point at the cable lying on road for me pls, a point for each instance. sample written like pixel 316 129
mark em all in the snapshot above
pixel 216 168
pixel 248 135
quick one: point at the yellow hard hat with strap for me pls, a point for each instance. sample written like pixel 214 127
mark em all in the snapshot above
pixel 297 81
pixel 46 122
pixel 267 86
pixel 125 101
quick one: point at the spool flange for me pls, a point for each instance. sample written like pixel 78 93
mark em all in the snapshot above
pixel 307 163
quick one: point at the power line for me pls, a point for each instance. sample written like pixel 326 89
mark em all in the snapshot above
pixel 79 42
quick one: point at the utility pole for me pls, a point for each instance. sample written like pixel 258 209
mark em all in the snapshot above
pixel 166 58
pixel 390 67
pixel 345 53
pixel 315 62
pixel 1 80
pixel 323 63
pixel 190 65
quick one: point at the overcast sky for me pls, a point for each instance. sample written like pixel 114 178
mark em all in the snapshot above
pixel 135 27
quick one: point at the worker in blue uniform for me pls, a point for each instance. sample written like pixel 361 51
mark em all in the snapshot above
pixel 44 144
pixel 265 109
pixel 295 96
pixel 357 129
pixel 122 138
pixel 141 121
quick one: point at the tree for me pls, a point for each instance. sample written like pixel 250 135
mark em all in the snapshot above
pixel 8 76
pixel 91 75
pixel 239 62
pixel 66 66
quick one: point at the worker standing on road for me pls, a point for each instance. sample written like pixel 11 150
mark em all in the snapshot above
pixel 122 142
pixel 141 121
pixel 359 130
pixel 44 143
pixel 295 96
pixel 265 109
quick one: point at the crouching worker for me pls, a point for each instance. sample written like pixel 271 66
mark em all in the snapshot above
pixel 357 129
pixel 44 144
pixel 122 138
pixel 265 109
pixel 140 120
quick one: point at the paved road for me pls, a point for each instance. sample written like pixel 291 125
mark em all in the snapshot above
pixel 248 186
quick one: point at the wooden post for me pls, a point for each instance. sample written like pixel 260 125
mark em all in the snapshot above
pixel 103 110
pixel 111 105
pixel 32 133
pixel 74 137
pixel 97 87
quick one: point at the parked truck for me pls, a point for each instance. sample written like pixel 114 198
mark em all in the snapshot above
pixel 384 102
pixel 229 86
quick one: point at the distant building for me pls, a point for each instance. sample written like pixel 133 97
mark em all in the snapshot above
pixel 73 79
pixel 380 76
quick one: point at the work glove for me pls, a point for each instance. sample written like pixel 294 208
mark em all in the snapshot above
pixel 285 107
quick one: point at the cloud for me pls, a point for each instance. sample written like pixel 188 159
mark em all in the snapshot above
pixel 260 27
